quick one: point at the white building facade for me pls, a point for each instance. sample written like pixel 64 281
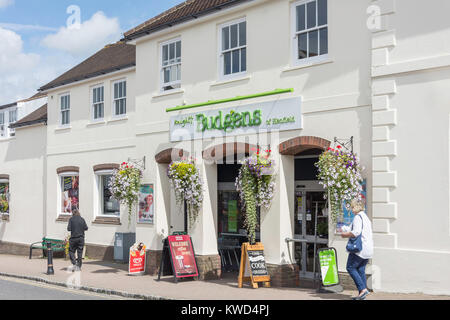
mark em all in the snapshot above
pixel 300 76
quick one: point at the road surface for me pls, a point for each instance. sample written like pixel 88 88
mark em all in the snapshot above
pixel 14 289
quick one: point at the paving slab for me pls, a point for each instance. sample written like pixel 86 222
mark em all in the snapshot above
pixel 113 278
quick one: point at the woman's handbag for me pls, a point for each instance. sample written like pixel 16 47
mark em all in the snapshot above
pixel 354 245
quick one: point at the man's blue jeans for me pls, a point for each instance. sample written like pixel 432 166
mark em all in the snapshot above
pixel 356 267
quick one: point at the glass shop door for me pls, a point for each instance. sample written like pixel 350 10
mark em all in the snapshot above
pixel 311 226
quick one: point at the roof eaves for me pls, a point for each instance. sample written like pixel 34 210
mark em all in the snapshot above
pixel 143 32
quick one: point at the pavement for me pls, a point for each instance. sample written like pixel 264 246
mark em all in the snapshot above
pixel 111 278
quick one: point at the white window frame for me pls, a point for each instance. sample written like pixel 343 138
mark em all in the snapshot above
pixel 98 193
pixel 319 58
pixel 3 126
pixel 176 63
pixel 12 131
pixel 66 94
pixel 221 57
pixel 93 119
pixel 60 191
pixel 113 99
pixel 8 196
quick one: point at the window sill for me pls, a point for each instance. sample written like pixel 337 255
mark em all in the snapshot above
pixel 63 218
pixel 62 129
pixel 118 119
pixel 168 93
pixel 107 221
pixel 308 64
pixel 230 80
pixel 96 123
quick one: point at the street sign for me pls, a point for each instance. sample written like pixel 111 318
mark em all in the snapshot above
pixel 328 267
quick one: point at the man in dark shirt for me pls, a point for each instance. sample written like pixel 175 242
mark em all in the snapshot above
pixel 77 226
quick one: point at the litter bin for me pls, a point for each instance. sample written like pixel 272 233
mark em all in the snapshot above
pixel 122 244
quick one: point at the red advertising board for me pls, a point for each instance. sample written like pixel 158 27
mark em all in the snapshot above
pixel 137 262
pixel 183 257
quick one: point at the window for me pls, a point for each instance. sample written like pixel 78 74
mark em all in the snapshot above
pixel 311 29
pixel 233 54
pixel 12 116
pixel 120 98
pixel 69 193
pixel 109 205
pixel 65 110
pixel 2 125
pixel 98 102
pixel 4 196
pixel 171 65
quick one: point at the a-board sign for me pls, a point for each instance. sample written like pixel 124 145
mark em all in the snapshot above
pixel 136 264
pixel 183 257
pixel 328 267
pixel 253 266
pixel 179 253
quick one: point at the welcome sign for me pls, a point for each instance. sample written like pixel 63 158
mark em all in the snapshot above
pixel 277 115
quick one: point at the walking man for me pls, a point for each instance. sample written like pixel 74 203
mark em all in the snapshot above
pixel 77 226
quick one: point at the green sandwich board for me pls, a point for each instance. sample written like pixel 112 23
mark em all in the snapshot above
pixel 328 267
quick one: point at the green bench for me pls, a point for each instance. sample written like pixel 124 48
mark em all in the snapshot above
pixel 57 246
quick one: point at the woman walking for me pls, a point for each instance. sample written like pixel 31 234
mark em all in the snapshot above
pixel 360 247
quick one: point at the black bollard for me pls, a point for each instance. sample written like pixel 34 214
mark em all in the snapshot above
pixel 50 270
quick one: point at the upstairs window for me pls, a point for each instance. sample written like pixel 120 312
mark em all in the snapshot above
pixel 171 65
pixel 120 98
pixel 2 125
pixel 65 109
pixel 98 103
pixel 12 115
pixel 233 54
pixel 311 29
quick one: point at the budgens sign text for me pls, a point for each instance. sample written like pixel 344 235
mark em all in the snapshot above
pixel 278 115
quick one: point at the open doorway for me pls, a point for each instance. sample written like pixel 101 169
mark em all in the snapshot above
pixel 231 219
pixel 311 214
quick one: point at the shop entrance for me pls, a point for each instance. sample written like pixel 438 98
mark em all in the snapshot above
pixel 311 216
pixel 231 228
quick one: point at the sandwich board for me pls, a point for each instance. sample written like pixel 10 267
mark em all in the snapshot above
pixel 253 266
pixel 178 258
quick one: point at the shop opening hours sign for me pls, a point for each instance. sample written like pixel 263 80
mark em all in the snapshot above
pixel 183 257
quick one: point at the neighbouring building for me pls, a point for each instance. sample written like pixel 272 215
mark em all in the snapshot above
pixel 297 77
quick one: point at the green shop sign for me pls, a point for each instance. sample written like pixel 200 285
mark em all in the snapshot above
pixel 328 267
pixel 279 115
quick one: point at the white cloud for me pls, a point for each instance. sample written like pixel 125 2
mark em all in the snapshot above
pixel 21 73
pixel 91 36
pixel 25 27
pixel 6 3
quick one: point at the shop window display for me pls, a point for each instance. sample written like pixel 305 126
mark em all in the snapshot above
pixel 70 194
pixel 4 198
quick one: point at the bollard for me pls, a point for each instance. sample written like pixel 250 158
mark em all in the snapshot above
pixel 50 270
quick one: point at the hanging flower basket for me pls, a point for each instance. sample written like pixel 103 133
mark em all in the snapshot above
pixel 125 184
pixel 255 185
pixel 185 179
pixel 340 174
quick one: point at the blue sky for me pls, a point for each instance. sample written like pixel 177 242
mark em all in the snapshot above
pixel 37 44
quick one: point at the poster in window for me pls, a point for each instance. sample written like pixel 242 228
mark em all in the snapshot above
pixel 232 216
pixel 348 216
pixel 146 204
pixel 4 198
pixel 70 194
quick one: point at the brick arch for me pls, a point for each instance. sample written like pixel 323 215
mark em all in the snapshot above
pixel 298 145
pixel 106 166
pixel 221 151
pixel 171 154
